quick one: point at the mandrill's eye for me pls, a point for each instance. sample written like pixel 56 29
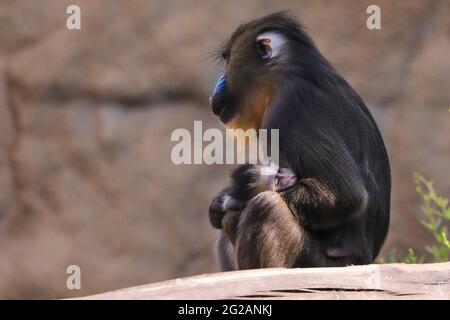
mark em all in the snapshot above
pixel 270 44
pixel 264 49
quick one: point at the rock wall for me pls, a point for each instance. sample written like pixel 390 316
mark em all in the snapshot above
pixel 86 118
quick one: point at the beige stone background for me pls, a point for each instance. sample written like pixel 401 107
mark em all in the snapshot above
pixel 86 118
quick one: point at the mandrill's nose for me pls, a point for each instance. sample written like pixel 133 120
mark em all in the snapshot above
pixel 217 94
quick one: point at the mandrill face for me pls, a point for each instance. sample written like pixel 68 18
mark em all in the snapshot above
pixel 254 56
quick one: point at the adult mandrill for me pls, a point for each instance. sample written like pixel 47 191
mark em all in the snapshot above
pixel 337 213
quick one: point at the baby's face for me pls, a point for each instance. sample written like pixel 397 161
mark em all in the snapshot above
pixel 283 179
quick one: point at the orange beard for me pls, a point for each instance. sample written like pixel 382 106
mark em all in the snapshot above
pixel 251 114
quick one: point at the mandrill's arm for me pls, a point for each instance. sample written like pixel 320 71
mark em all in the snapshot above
pixel 330 189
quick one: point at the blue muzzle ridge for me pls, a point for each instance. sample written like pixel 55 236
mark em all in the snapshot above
pixel 220 85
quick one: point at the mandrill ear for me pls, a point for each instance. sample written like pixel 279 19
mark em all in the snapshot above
pixel 270 44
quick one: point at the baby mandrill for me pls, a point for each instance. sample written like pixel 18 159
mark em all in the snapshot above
pixel 247 181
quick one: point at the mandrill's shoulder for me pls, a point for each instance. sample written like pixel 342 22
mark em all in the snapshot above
pixel 311 107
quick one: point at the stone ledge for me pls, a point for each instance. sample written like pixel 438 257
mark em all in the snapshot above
pixel 388 281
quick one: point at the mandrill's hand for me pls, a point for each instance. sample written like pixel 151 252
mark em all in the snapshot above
pixel 216 210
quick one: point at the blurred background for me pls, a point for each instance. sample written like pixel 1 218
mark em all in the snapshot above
pixel 86 118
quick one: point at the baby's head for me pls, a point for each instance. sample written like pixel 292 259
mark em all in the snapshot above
pixel 285 178
pixel 277 178
pixel 249 180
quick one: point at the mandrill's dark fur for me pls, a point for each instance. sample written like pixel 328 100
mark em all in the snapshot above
pixel 338 212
